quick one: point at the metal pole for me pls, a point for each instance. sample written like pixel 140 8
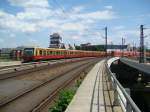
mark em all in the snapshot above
pixel 122 46
pixel 106 40
pixel 141 60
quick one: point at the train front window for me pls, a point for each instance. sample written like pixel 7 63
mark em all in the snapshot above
pixel 28 51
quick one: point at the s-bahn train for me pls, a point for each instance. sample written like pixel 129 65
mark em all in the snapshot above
pixel 130 54
pixel 35 54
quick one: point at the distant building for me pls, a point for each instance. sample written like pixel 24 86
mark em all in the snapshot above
pixel 55 41
pixel 6 50
pixel 100 47
pixel 86 44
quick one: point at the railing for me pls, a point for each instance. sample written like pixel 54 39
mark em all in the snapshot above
pixel 120 94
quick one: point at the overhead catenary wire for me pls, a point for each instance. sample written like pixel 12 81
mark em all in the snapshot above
pixel 67 15
pixel 65 12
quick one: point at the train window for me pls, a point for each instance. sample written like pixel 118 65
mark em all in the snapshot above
pixel 51 52
pixel 28 51
pixel 36 53
pixel 54 52
pixel 40 52
pixel 44 53
pixel 62 52
pixel 66 52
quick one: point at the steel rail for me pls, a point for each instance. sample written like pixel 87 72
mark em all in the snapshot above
pixel 15 67
pixel 40 106
pixel 31 68
pixel 5 68
pixel 36 86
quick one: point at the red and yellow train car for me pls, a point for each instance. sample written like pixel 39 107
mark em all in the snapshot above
pixel 35 54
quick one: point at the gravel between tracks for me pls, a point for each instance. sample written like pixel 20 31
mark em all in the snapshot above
pixel 24 82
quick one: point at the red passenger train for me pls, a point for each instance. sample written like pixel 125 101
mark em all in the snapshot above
pixel 35 54
pixel 129 54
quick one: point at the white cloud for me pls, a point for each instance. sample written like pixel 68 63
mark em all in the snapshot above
pixel 29 3
pixel 76 37
pixel 33 42
pixel 98 15
pixel 130 35
pixel 1 40
pixel 48 24
pixel 12 35
pixel 72 26
pixel 120 27
pixel 78 9
pixel 108 7
pixel 38 15
pixel 34 14
pixel 11 22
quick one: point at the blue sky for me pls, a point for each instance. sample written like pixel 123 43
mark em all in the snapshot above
pixel 30 22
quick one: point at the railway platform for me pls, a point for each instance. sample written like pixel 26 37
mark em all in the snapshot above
pixel 9 63
pixel 100 91
pixel 94 94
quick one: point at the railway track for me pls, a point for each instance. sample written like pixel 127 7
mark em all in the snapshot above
pixel 15 70
pixel 55 82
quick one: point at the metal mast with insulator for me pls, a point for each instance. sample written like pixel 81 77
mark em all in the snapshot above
pixel 141 59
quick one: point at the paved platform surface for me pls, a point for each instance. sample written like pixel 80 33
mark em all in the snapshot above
pixel 93 95
pixel 9 63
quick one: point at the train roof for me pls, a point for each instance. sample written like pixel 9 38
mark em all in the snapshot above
pixel 60 49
